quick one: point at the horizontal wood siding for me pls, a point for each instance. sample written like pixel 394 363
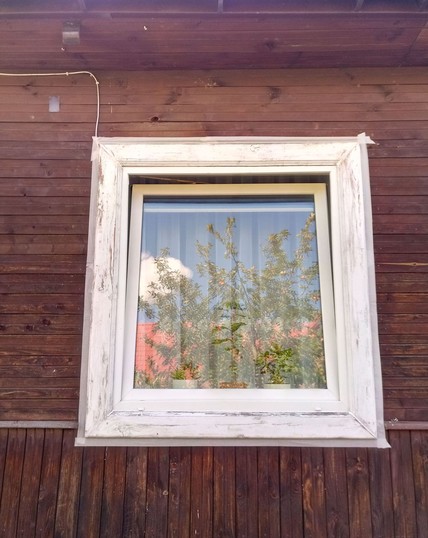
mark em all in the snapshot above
pixel 44 199
pixel 50 488
pixel 132 36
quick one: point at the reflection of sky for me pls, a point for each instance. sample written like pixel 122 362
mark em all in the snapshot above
pixel 180 224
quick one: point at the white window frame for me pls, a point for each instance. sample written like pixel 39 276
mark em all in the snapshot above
pixel 353 416
pixel 215 400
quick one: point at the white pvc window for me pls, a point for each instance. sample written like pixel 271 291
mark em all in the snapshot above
pixel 213 285
pixel 229 286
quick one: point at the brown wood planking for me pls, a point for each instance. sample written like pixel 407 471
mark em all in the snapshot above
pixel 29 494
pixel 203 92
pixel 56 304
pixel 386 100
pixel 202 487
pixel 384 56
pixel 91 489
pixel 69 487
pixel 337 507
pixel 179 497
pixel 224 513
pixel 268 483
pixel 246 496
pixel 113 492
pixel 40 360
pixel 291 506
pixel 15 283
pixel 134 510
pixel 44 186
pixel 157 492
pixel 402 483
pixel 314 491
pixel 397 501
pixel 44 206
pixel 49 478
pixel 286 39
pixel 381 503
pixel 186 22
pixel 41 344
pixel 12 475
pixel 44 225
pixel 21 324
pixel 358 492
pixel 419 447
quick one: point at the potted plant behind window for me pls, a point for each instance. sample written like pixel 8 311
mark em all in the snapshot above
pixel 277 365
pixel 185 376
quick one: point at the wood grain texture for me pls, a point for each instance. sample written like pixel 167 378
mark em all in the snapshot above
pixel 202 487
pixel 91 491
pixel 247 487
pixel 45 189
pixel 42 261
pixel 113 492
pixel 134 511
pixel 12 475
pixel 49 479
pixel 327 492
pixel 68 487
pixel 179 498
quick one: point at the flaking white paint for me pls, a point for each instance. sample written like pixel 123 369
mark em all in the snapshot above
pixel 345 159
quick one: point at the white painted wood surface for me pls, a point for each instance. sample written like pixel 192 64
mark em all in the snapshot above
pixel 104 419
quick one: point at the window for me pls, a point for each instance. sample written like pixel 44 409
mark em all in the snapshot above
pixel 227 267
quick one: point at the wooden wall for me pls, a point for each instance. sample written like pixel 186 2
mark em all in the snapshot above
pixel 50 488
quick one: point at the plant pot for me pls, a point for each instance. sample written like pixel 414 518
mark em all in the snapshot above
pixel 276 386
pixel 233 385
pixel 184 383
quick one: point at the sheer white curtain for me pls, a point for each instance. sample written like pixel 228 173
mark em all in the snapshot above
pixel 222 279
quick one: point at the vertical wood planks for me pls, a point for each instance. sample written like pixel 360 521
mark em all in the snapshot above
pixel 134 512
pixel 30 483
pixel 419 443
pixel 336 488
pixel 69 488
pixel 403 492
pixel 202 486
pixel 51 488
pixel 269 492
pixel 291 492
pixel 247 491
pixel 180 494
pixel 49 477
pixel 113 492
pixel 157 493
pixel 224 519
pixel 314 506
pixel 381 493
pixel 12 482
pixel 358 492
pixel 91 492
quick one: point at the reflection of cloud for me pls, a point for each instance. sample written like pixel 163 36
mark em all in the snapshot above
pixel 150 275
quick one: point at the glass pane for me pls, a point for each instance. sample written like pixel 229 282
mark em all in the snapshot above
pixel 229 294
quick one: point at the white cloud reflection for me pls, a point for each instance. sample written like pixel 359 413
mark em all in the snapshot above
pixel 149 274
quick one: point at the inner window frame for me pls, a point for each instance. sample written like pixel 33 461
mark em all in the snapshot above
pixel 115 162
pixel 232 399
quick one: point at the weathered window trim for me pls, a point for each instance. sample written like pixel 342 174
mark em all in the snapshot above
pixel 105 420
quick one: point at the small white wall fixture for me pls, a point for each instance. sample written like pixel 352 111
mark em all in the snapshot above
pixel 106 419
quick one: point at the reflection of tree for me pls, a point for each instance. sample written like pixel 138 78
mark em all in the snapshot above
pixel 180 314
pixel 242 312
